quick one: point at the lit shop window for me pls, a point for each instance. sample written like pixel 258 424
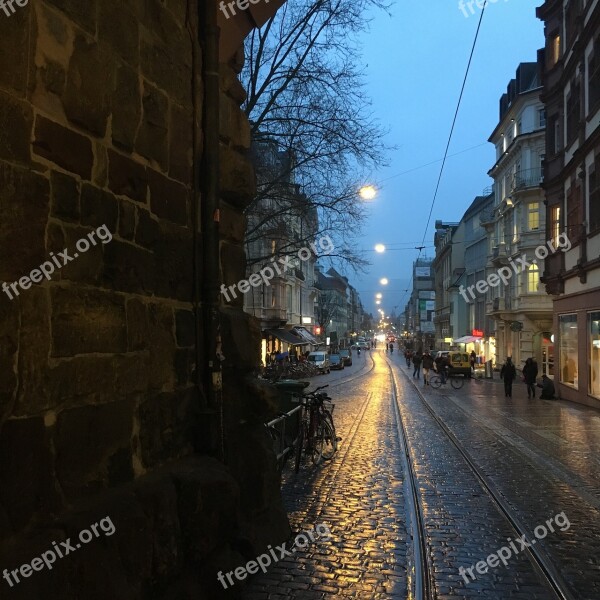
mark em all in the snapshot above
pixel 594 353
pixel 568 350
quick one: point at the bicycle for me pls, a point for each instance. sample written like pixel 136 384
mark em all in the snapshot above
pixel 316 434
pixel 435 381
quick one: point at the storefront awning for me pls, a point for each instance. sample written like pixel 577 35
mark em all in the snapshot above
pixel 467 339
pixel 305 335
pixel 285 335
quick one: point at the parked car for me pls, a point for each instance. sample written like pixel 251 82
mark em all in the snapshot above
pixel 459 361
pixel 346 355
pixel 336 362
pixel 321 361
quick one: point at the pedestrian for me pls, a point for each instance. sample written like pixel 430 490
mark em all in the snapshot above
pixel 547 386
pixel 417 359
pixel 387 346
pixel 530 372
pixel 473 359
pixel 508 373
pixel 427 365
pixel 391 347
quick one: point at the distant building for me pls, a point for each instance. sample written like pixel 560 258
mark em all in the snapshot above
pixel 519 304
pixel 571 92
pixel 421 305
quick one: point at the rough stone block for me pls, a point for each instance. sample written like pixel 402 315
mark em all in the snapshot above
pixel 185 328
pixel 16 123
pixel 241 336
pixel 83 14
pixel 86 440
pixel 234 125
pixel 24 199
pixel 183 364
pixel 173 262
pixel 118 29
pixel 126 177
pixel 65 196
pixel 238 183
pixel 54 77
pixel 126 219
pixel 126 108
pixel 9 340
pixel 64 147
pixel 146 232
pixel 98 208
pixel 129 268
pixel 168 199
pixel 87 321
pixel 90 81
pixel 137 325
pixel 161 340
pixel 233 224
pixel 152 137
pixel 14 60
pixel 27 480
pixel 181 144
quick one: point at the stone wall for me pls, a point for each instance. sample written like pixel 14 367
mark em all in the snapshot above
pixel 96 365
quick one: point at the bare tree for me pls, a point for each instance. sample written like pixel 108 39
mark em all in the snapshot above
pixel 306 96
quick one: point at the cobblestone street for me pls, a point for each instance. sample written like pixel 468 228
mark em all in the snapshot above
pixel 539 457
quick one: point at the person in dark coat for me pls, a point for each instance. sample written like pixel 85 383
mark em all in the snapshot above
pixel 427 365
pixel 530 373
pixel 417 359
pixel 547 386
pixel 508 373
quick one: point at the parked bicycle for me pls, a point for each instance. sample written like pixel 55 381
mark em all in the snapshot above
pixel 316 436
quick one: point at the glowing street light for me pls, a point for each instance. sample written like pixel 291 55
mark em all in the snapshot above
pixel 384 281
pixel 379 296
pixel 377 301
pixel 379 248
pixel 367 192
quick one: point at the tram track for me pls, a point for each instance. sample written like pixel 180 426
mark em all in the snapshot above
pixel 423 571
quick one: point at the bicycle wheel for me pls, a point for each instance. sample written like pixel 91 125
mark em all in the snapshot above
pixel 325 442
pixel 457 382
pixel 435 382
pixel 302 436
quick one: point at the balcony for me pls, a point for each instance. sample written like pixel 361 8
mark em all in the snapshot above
pixel 500 253
pixel 274 314
pixel 527 178
pixel 487 217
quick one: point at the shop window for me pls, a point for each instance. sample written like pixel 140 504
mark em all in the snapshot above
pixel 533 279
pixel 594 353
pixel 568 350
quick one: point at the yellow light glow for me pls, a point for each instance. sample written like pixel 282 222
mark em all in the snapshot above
pixel 380 248
pixel 377 301
pixel 379 296
pixel 367 192
pixel 384 281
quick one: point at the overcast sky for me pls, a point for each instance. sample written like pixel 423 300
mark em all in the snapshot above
pixel 415 63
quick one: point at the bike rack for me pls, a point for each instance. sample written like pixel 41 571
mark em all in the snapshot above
pixel 280 421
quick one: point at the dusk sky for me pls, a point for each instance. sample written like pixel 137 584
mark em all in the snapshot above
pixel 415 63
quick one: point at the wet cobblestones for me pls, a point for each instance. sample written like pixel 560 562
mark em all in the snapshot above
pixel 542 456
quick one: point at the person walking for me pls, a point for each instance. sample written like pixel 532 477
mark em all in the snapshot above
pixel 387 346
pixel 427 365
pixel 417 359
pixel 508 374
pixel 530 373
pixel 473 359
pixel 392 347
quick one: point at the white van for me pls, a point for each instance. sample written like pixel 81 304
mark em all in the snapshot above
pixel 321 360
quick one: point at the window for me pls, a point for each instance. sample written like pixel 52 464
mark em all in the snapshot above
pixel 553 134
pixel 273 246
pixel 554 47
pixel 594 76
pixel 568 349
pixel 533 216
pixel 594 194
pixel 533 279
pixel 542 117
pixel 554 230
pixel 594 353
pixel 573 112
pixel 572 11
pixel 574 217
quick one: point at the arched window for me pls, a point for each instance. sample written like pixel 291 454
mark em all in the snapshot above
pixel 533 279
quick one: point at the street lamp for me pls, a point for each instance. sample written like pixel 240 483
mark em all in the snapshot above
pixel 377 301
pixel 384 281
pixel 379 248
pixel 367 192
pixel 379 296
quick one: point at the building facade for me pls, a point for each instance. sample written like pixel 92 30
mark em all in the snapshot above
pixel 571 91
pixel 421 305
pixel 519 304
